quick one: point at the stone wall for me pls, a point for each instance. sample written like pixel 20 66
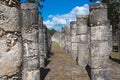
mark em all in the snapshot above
pixel 101 37
pixel 10 42
pixel 25 41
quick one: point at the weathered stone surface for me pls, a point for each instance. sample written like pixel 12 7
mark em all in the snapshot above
pixel 10 41
pixel 75 38
pixel 99 62
pixel 83 39
pixel 31 75
pixel 74 46
pixel 10 54
pixel 100 49
pixel 101 37
pixel 74 54
pixel 83 54
pixel 9 18
pixel 30 34
pixel 98 14
pixel 100 74
pixel 81 24
pixel 31 63
pixel 101 33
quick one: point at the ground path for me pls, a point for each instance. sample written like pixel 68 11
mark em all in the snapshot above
pixel 60 66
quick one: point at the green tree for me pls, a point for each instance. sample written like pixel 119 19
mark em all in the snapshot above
pixel 52 31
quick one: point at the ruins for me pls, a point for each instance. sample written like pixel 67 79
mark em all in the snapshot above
pixel 26 42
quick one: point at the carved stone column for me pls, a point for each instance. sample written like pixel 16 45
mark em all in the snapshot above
pixel 41 43
pixel 10 41
pixel 74 40
pixel 101 36
pixel 82 34
pixel 30 42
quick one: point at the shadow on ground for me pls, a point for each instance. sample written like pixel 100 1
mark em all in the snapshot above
pixel 43 73
pixel 115 60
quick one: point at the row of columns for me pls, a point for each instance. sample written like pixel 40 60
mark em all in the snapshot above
pixel 90 45
pixel 24 40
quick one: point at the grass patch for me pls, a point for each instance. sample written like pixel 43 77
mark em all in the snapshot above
pixel 55 45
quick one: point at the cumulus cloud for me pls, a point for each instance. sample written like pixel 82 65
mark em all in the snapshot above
pixel 57 21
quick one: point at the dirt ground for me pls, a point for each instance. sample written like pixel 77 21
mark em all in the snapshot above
pixel 61 66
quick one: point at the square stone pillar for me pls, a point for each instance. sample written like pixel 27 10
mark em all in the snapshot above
pixel 10 41
pixel 101 37
pixel 30 36
pixel 82 33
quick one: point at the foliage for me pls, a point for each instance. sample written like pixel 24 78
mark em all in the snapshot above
pixel 52 31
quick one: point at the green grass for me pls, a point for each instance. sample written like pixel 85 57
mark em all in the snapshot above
pixel 55 45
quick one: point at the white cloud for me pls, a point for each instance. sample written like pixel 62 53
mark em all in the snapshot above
pixel 56 21
pixel 98 2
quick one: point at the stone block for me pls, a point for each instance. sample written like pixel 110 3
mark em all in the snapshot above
pixel 100 49
pixel 74 54
pixel 101 33
pixel 30 33
pixel 100 74
pixel 31 75
pixel 82 29
pixel 83 54
pixel 74 46
pixel 31 63
pixel 42 61
pixel 9 18
pixel 99 62
pixel 10 54
pixel 98 13
pixel 75 38
pixel 83 39
pixel 30 49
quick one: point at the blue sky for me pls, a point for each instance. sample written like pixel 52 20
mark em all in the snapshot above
pixel 58 13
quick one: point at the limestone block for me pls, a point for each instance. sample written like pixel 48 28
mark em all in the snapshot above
pixel 31 63
pixel 100 49
pixel 99 62
pixel 74 46
pixel 98 13
pixel 100 74
pixel 101 33
pixel 31 75
pixel 10 54
pixel 30 49
pixel 9 18
pixel 83 38
pixel 81 29
pixel 75 38
pixel 83 54
pixel 28 18
pixel 74 54
pixel 73 31
pixel 30 33
pixel 42 61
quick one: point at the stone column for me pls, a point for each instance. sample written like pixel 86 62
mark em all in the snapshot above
pixel 30 42
pixel 41 43
pixel 101 36
pixel 45 41
pixel 10 41
pixel 82 34
pixel 69 39
pixel 74 40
